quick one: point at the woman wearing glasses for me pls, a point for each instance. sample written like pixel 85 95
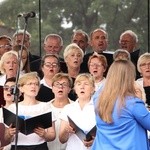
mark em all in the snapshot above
pixel 5 44
pixel 143 66
pixel 61 86
pixel 8 99
pixel 29 85
pixel 81 112
pixel 97 65
pixel 50 66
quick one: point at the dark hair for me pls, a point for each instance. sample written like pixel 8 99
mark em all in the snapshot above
pixel 49 55
pixel 12 79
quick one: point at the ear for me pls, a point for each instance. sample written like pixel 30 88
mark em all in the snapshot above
pixel 104 70
pixel 61 47
pixel 66 60
pixel 42 69
pixel 69 90
pixel 52 89
pixel 92 91
pixel 21 89
pixel 90 43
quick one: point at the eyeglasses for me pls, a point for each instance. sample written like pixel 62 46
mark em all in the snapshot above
pixel 5 46
pixel 64 84
pixel 49 65
pixel 145 64
pixel 8 88
pixel 31 83
pixel 95 65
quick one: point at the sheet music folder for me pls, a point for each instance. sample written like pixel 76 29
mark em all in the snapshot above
pixel 27 126
pixel 80 133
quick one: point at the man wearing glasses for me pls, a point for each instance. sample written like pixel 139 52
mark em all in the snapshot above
pixel 5 44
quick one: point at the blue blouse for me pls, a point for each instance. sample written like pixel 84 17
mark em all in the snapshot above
pixel 128 130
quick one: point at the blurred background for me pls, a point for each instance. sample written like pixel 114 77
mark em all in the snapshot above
pixel 65 16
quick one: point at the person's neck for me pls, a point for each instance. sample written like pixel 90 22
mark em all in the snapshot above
pixel 146 81
pixel 60 102
pixel 10 76
pixel 98 79
pixel 84 101
pixel 48 81
pixel 29 101
pixel 73 72
pixel 99 51
pixel 8 104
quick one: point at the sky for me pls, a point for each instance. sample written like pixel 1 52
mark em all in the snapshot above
pixel 1 1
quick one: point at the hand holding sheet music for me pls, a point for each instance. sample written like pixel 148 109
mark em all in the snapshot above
pixel 27 126
pixel 80 133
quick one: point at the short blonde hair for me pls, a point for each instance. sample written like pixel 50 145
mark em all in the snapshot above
pixel 60 76
pixel 28 76
pixel 144 58
pixel 83 76
pixel 5 57
pixel 71 47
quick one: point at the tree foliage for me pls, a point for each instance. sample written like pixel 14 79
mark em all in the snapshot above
pixel 113 15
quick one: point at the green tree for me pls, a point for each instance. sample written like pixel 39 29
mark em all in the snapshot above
pixel 113 15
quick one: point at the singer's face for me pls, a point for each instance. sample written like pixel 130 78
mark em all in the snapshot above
pixel 52 46
pixel 30 88
pixel 10 66
pixel 61 88
pixel 96 68
pixel 5 46
pixel 18 40
pixel 8 97
pixel 50 67
pixel 81 41
pixel 99 41
pixel 84 88
pixel 127 42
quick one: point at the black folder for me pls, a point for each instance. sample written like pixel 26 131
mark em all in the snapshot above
pixel 27 126
pixel 80 133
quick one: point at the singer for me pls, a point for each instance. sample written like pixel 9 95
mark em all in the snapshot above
pixel 7 134
pixel 29 85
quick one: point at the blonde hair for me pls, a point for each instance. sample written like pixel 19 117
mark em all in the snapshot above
pixel 83 76
pixel 28 76
pixel 119 84
pixel 71 47
pixel 5 57
pixel 144 58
